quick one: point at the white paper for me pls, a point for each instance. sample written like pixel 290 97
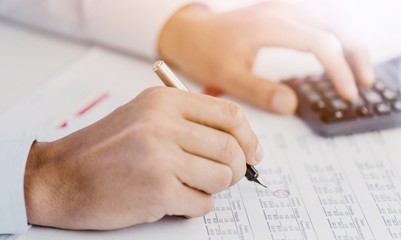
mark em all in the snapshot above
pixel 12 237
pixel 341 188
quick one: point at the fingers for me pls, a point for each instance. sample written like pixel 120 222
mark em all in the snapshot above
pixel 355 52
pixel 274 97
pixel 216 149
pixel 227 117
pixel 340 23
pixel 206 175
pixel 360 63
pixel 331 56
pixel 188 202
pixel 323 45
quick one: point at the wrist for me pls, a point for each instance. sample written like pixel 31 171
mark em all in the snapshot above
pixel 42 185
pixel 36 159
pixel 182 25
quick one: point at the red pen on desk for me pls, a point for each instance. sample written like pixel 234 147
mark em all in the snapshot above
pixel 86 109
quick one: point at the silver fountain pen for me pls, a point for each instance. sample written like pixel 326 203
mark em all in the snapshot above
pixel 171 80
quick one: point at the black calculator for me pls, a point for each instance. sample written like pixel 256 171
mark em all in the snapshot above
pixel 328 115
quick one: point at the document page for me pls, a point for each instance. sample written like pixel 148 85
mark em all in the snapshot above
pixel 9 237
pixel 344 188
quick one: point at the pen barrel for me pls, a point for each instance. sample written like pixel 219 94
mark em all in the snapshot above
pixel 167 76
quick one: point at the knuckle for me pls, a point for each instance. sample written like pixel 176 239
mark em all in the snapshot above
pixel 234 110
pixel 327 42
pixel 239 172
pixel 153 92
pixel 230 147
pixel 155 95
pixel 251 145
pixel 236 113
pixel 207 205
pixel 224 179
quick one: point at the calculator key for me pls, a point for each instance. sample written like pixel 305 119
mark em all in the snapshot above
pixel 324 85
pixel 372 96
pixel 337 116
pixel 313 97
pixel 295 81
pixel 364 112
pixel 389 94
pixel 383 109
pixel 339 104
pixel 313 78
pixel 319 101
pixel 379 86
pixel 329 95
pixel 319 106
pixel 397 106
pixel 358 103
pixel 305 88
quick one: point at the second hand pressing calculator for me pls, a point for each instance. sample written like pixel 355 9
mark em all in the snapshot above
pixel 328 115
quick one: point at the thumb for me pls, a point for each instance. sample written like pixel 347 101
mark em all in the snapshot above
pixel 268 95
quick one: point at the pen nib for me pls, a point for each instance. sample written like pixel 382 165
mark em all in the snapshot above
pixel 260 181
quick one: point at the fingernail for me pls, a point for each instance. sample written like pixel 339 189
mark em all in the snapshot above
pixel 369 77
pixel 259 154
pixel 352 91
pixel 283 102
pixel 278 102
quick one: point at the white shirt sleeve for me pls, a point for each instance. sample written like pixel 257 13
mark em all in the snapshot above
pixel 129 25
pixel 13 157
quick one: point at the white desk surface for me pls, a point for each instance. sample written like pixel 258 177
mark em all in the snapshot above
pixel 29 58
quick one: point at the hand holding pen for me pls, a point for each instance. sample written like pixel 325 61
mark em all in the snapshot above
pixel 170 80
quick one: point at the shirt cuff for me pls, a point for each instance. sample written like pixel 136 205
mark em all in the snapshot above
pixel 13 157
